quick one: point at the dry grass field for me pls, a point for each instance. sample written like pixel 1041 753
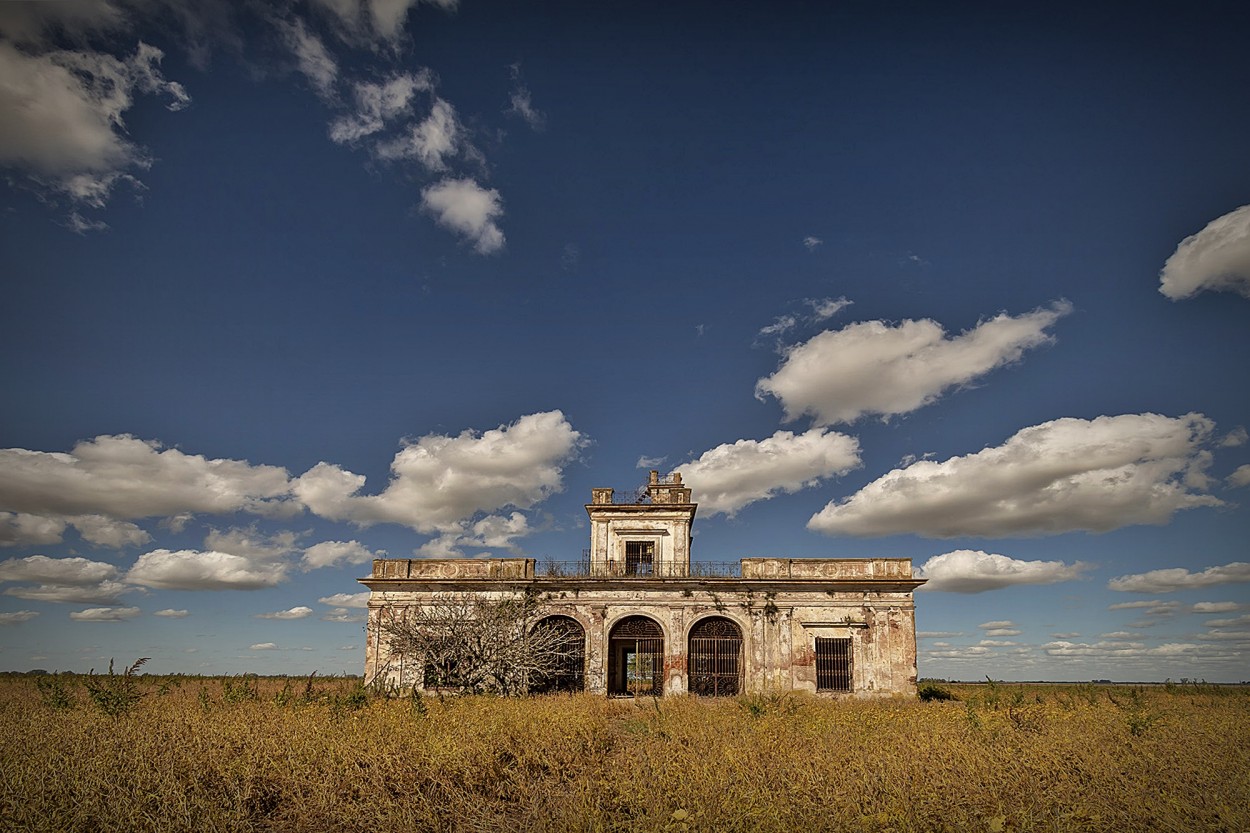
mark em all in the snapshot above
pixel 236 754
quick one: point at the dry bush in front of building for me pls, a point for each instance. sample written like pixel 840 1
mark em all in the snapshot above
pixel 473 645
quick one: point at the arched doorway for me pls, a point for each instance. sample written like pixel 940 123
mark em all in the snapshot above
pixel 714 662
pixel 636 657
pixel 565 639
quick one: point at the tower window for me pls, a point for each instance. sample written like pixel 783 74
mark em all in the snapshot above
pixel 639 557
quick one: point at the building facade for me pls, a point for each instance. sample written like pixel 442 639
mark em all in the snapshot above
pixel 641 618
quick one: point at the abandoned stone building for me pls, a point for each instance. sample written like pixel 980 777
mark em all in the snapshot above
pixel 639 617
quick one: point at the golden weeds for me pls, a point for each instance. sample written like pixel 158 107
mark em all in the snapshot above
pixel 214 755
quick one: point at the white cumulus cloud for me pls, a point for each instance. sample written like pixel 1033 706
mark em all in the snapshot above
pixel 439 481
pixel 490 532
pixel 468 209
pixel 343 615
pixel 21 528
pixel 109 532
pixel 105 614
pixel 1237 437
pixel 1064 475
pixel 873 367
pixel 171 613
pixel 106 592
pixel 194 570
pixel 121 477
pixel 300 612
pixel 41 568
pixel 1240 477
pixel 1178 578
pixel 72 580
pixel 251 544
pixel 733 475
pixel 1216 259
pixel 17 617
pixel 1215 607
pixel 330 553
pixel 974 571
pixel 346 599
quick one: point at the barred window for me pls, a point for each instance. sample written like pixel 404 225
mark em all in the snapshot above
pixel 714 659
pixel 833 664
pixel 639 556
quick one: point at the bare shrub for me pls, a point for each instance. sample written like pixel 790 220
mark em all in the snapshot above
pixel 471 645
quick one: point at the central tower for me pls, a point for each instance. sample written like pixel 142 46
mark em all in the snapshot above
pixel 642 534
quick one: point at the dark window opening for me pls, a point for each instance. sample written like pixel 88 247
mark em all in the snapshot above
pixel 833 664
pixel 639 557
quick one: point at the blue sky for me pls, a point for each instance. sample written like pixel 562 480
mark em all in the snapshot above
pixel 291 286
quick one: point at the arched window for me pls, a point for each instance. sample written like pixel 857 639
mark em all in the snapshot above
pixel 567 670
pixel 636 657
pixel 715 658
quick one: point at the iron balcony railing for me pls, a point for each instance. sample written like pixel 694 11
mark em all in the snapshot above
pixel 583 569
pixel 633 495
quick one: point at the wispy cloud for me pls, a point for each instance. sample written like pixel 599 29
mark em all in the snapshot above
pixel 521 103
pixel 64 116
pixel 1178 578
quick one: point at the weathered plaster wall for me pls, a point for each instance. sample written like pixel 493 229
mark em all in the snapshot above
pixel 779 626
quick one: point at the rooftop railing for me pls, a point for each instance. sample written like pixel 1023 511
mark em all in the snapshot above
pixel 634 495
pixel 583 569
